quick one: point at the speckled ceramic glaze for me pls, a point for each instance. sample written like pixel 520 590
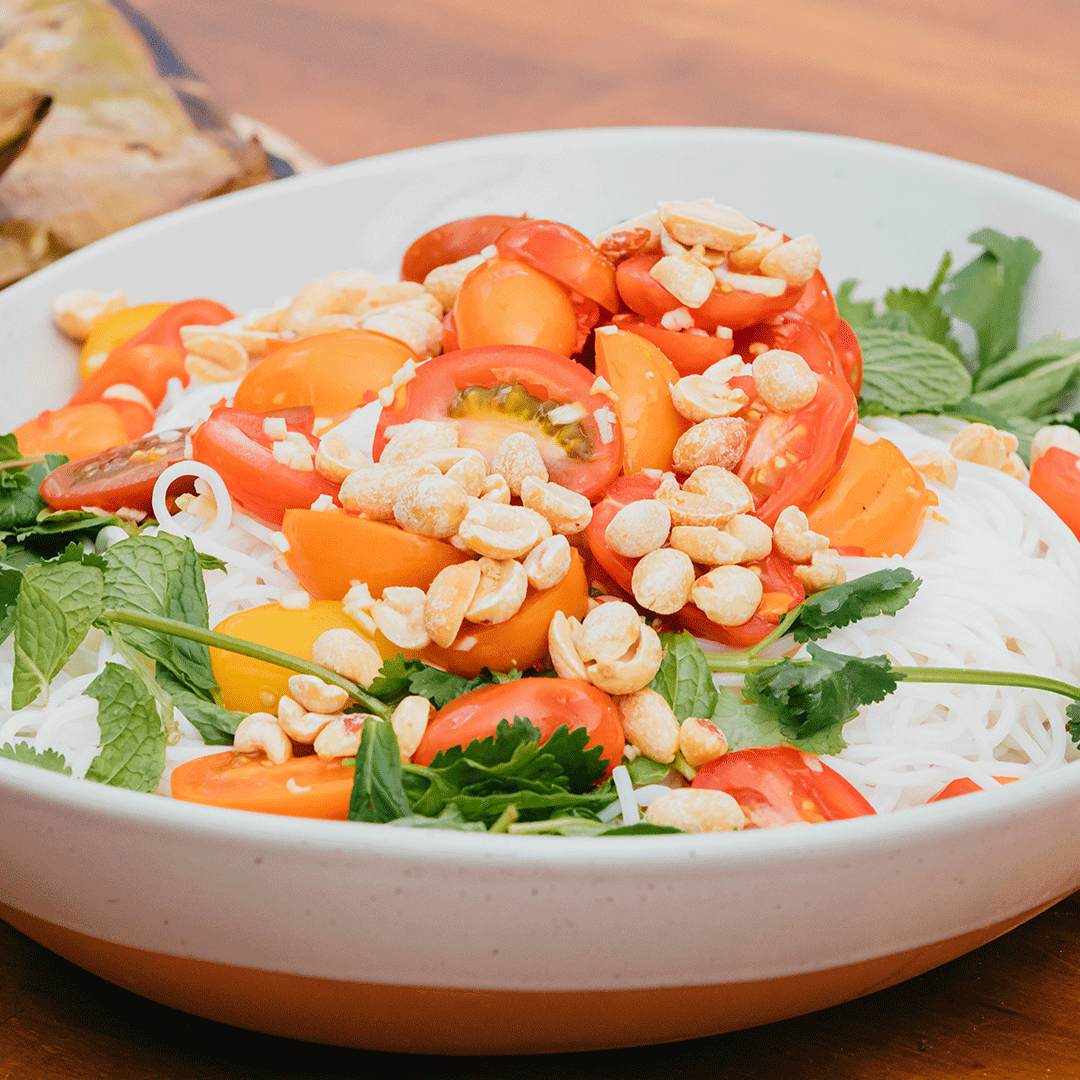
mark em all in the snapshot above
pixel 405 939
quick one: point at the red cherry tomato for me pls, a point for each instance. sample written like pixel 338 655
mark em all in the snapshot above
pixel 816 303
pixel 848 355
pixel 691 352
pixel 449 333
pixel 642 293
pixel 790 457
pixel 233 443
pixel 1055 478
pixel 584 455
pixel 79 431
pixel 452 241
pixel 546 703
pixel 779 785
pixel 122 476
pixel 964 785
pixel 796 334
pixel 566 255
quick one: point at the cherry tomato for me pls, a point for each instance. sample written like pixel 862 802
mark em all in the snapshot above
pixel 566 255
pixel 1055 478
pixel 122 476
pixel 692 352
pixel 333 373
pixel 328 549
pixel 642 293
pixel 80 431
pixel 250 685
pixel 155 354
pixel 508 303
pixel 233 443
pixel 816 304
pixel 795 334
pixel 641 378
pixel 521 641
pixel 449 333
pixel 779 785
pixel 964 785
pixel 494 391
pixel 109 331
pixel 546 703
pixel 790 457
pixel 452 241
pixel 877 501
pixel 301 787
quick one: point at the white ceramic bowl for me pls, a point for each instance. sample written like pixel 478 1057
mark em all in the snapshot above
pixel 451 942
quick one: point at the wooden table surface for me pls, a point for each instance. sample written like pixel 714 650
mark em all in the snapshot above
pixel 991 81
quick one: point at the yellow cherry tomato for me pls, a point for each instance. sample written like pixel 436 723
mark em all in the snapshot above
pixel 249 685
pixel 109 331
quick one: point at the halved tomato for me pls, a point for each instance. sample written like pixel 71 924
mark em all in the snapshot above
pixel 816 303
pixel 453 241
pixel 499 389
pixel 1055 478
pixel 81 431
pixel 964 785
pixel 690 351
pixel 796 334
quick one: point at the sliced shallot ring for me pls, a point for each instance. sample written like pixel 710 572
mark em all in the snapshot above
pixel 222 520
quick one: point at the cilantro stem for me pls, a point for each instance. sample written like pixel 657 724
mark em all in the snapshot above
pixel 248 648
pixel 505 819
pixel 775 634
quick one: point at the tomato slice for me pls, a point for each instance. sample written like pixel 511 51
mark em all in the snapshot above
pixel 642 293
pixel 796 334
pixel 452 241
pixel 301 787
pixel 790 457
pixel 566 255
pixel 521 642
pixel 691 352
pixel 122 476
pixel 109 331
pixel 546 703
pixel 233 443
pixel 499 389
pixel 81 431
pixel 780 785
pixel 1055 478
pixel 964 785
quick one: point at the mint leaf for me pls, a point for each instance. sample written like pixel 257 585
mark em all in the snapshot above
pixel 854 312
pixel 987 293
pixel 450 818
pixel 214 723
pixel 378 794
pixel 684 680
pixel 211 562
pixel 883 592
pixel 1029 358
pixel 41 640
pixel 185 600
pixel 746 725
pixel 639 828
pixel 10 582
pixel 645 771
pixel 132 739
pixel 76 590
pixel 20 502
pixel 903 373
pixel 1035 393
pixel 43 759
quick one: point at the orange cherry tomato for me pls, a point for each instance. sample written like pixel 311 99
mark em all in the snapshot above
pixel 109 331
pixel 641 378
pixel 328 549
pixel 508 303
pixel 449 333
pixel 301 787
pixel 81 431
pixel 692 352
pixel 566 255
pixel 877 501
pixel 546 703
pixel 332 373
pixel 1055 478
pixel 779 785
pixel 964 785
pixel 522 640
pixel 452 241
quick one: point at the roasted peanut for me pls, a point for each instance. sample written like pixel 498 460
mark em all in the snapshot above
pixel 517 457
pixel 358 603
pixel 562 647
pixel 940 465
pixel 728 595
pixel 74 311
pixel 784 380
pixel 722 486
pixel 416 438
pixel 500 591
pixel 823 571
pixel 641 233
pixel 724 370
pixel 494 488
pixel 793 538
pixel 608 632
pixel 448 598
pixel 701 741
pixel 444 282
pixel 334 294
pixel 566 511
pixel 548 563
pixel 688 508
pixel 400 617
pixel 649 724
pixel 705 222
pixel 685 278
pixel 984 445
pixel 464 465
pixel 712 442
pixel 697 810
pixel 795 261
pixel 411 323
pixel 341 737
pixel 300 725
pixel 697 398
pixel 410 721
pixel 372 490
pixel 638 528
pixel 316 695
pixel 335 459
pixel 662 581
pixel 746 260
pixel 633 670
pixel 346 652
pixel 1054 435
pixel 1014 466
pixel 431 506
pixel 753 533
pixel 260 733
pixel 502 532
pixel 708 545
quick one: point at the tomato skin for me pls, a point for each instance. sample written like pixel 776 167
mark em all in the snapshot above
pixel 547 375
pixel 848 351
pixel 332 373
pixel 82 431
pixel 796 334
pixel 110 331
pixel 690 354
pixel 546 703
pixel 319 789
pixel 508 303
pixel 817 305
pixel 521 642
pixel 875 502
pixel 964 785
pixel 112 479
pixel 641 378
pixel 231 442
pixel 780 785
pixel 330 548
pixel 566 255
pixel 452 241
pixel 1055 478
pixel 449 333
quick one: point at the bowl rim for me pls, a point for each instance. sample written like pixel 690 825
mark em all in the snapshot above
pixel 992 808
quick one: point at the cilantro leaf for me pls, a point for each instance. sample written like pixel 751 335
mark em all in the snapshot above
pixel 923 308
pixel 132 739
pixel 684 680
pixel 392 682
pixel 884 592
pixel 854 312
pixel 450 818
pixel 746 725
pixel 378 794
pixel 43 759
pixel 399 677
pixel 74 553
pixel 211 562
pixel 1072 711
pixel 41 640
pixel 582 768
pixel 903 373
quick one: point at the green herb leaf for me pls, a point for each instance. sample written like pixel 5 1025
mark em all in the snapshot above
pixel 450 818
pixel 884 592
pixel 854 312
pixel 211 562
pixel 1039 391
pixel 746 725
pixel 392 682
pixel 185 600
pixel 645 771
pixel 378 794
pixel 10 582
pixel 76 590
pixel 9 447
pixel 582 768
pixel 640 828
pixel 41 640
pixel 132 738
pixel 74 553
pixel 903 373
pixel 1072 711
pixel 399 678
pixel 1029 358
pixel 684 679
pixel 215 724
pixel 43 759
pixel 923 308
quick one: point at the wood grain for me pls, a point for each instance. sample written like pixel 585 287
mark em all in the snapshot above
pixel 991 81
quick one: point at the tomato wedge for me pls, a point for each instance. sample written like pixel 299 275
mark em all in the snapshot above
pixel 691 352
pixel 848 351
pixel 780 785
pixel 964 785
pixel 80 431
pixel 301 787
pixel 109 331
pixel 496 390
pixel 816 303
pixel 566 255
pixel 233 443
pixel 453 241
pixel 1055 478
pixel 122 476
pixel 546 703
pixel 796 334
